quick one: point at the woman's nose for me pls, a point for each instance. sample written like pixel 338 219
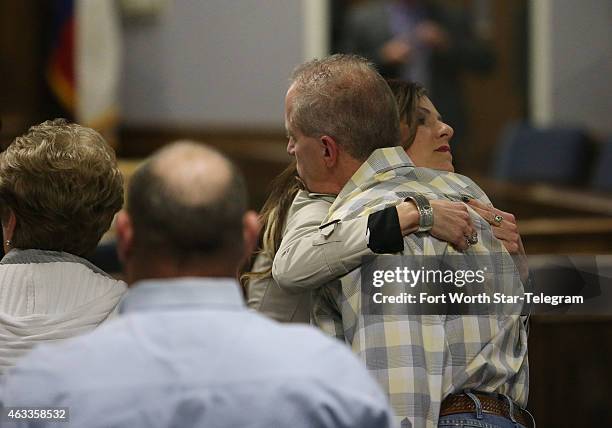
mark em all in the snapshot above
pixel 446 130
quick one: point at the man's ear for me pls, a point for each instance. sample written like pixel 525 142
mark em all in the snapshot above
pixel 125 236
pixel 330 151
pixel 250 232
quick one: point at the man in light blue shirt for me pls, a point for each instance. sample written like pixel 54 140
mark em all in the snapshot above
pixel 185 351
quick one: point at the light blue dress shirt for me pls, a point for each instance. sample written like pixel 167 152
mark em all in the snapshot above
pixel 187 353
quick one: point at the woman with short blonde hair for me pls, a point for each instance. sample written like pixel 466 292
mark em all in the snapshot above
pixel 60 188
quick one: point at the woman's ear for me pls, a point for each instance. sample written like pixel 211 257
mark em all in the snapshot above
pixel 9 223
pixel 330 151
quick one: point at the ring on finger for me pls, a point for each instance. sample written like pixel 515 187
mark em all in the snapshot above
pixel 498 219
pixel 472 239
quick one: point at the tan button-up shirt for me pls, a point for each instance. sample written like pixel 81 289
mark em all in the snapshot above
pixel 308 257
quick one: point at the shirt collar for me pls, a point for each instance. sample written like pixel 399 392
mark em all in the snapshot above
pixel 183 293
pixel 380 161
pixel 17 256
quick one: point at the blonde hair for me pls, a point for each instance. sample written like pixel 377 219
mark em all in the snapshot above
pixel 62 182
pixel 272 218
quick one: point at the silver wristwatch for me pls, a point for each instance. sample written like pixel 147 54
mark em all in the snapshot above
pixel 426 219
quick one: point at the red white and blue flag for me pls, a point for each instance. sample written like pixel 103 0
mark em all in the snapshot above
pixel 84 65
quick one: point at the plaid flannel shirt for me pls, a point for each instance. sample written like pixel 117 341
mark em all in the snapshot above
pixel 421 359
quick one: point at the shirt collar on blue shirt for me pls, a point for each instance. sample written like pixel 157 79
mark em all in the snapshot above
pixel 183 293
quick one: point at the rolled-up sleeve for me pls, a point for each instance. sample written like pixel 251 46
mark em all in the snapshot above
pixel 312 254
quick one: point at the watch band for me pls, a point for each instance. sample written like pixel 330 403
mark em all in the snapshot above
pixel 426 218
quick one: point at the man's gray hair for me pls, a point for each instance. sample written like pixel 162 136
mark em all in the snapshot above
pixel 344 97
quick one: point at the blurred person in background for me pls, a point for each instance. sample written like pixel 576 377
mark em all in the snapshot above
pixel 422 41
pixel 60 188
pixel 185 351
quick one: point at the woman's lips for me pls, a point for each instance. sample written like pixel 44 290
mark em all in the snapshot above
pixel 443 149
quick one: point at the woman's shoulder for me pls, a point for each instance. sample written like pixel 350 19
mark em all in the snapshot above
pixel 309 205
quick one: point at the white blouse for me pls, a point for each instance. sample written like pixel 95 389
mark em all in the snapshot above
pixel 47 296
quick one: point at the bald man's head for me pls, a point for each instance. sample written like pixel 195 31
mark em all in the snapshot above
pixel 187 203
pixel 201 168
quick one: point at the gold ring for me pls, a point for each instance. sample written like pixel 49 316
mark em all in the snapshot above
pixel 498 219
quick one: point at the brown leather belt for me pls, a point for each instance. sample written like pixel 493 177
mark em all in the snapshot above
pixel 461 403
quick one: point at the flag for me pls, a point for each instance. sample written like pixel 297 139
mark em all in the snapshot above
pixel 84 67
pixel 60 66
